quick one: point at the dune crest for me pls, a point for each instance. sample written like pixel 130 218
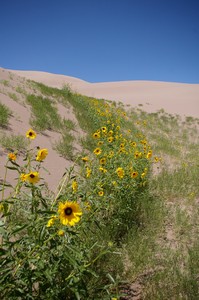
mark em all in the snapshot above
pixel 174 98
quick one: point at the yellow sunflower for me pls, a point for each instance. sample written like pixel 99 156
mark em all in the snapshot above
pixel 32 177
pixel 69 213
pixel 88 172
pixel 97 151
pixel 103 170
pixel 103 161
pixel 12 156
pixel 60 232
pixel 51 221
pixel 111 154
pixel 120 172
pixel 23 177
pixel 122 145
pixel 149 154
pixel 134 174
pixel 85 159
pixel 101 193
pixel 31 134
pixel 74 186
pixel 41 154
pixel 110 139
pixel 104 129
pixel 133 144
pixel 96 135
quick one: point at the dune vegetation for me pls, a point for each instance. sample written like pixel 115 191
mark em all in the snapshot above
pixel 123 223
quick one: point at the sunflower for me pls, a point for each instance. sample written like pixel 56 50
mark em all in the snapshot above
pixel 100 143
pixel 157 159
pixel 69 213
pixel 102 161
pixel 122 150
pixel 133 144
pixel 134 174
pixel 23 177
pixel 88 172
pixel 12 156
pixel 110 139
pixel 149 154
pixel 41 154
pixel 74 186
pixel 97 151
pixel 96 135
pixel 101 193
pixel 111 154
pixel 32 177
pixel 104 129
pixel 122 145
pixel 85 159
pixel 137 154
pixel 60 232
pixel 103 170
pixel 51 221
pixel 31 134
pixel 143 174
pixel 120 172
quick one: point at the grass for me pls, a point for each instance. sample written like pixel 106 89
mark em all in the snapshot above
pixel 69 124
pixel 65 146
pixel 13 96
pixel 45 115
pixel 4 115
pixel 13 142
pixel 5 82
pixel 21 90
pixel 166 263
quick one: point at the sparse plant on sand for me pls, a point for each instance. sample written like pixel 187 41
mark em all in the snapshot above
pixel 4 115
pixel 13 142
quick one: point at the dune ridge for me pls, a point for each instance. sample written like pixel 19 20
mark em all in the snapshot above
pixel 174 98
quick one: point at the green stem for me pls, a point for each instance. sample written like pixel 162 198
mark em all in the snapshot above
pixel 4 181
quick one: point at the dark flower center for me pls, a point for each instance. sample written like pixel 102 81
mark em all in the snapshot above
pixel 32 175
pixel 30 133
pixel 68 211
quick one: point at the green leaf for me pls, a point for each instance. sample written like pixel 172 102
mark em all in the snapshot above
pixel 19 228
pixel 12 168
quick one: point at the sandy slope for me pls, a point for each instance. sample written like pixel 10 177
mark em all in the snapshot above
pixel 19 124
pixel 175 98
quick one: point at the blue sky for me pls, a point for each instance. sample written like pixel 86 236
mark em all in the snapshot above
pixel 102 40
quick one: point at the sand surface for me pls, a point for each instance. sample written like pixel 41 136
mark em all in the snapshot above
pixel 174 98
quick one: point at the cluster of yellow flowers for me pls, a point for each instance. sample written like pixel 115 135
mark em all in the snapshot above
pixel 69 212
pixel 33 176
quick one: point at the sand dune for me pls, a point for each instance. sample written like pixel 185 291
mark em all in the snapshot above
pixel 174 98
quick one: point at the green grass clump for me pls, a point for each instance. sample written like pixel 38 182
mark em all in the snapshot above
pixel 21 90
pixel 4 115
pixel 45 115
pixel 13 96
pixel 5 82
pixel 69 124
pixel 13 142
pixel 65 146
